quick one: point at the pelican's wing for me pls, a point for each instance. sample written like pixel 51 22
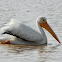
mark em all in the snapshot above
pixel 21 30
pixel 13 28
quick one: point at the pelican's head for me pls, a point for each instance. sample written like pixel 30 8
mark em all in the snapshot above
pixel 43 23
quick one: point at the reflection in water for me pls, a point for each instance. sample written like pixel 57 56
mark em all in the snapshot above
pixel 27 53
pixel 17 49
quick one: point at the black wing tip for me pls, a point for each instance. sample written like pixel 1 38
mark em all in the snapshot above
pixel 8 32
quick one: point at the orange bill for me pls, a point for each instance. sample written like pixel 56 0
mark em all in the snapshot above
pixel 48 28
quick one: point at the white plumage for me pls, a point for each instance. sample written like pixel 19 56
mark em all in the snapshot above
pixel 24 34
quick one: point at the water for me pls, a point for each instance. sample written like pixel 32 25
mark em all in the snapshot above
pixel 28 11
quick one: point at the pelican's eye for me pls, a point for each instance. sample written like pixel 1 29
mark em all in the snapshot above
pixel 44 21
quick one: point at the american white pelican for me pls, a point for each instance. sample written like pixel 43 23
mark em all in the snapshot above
pixel 16 32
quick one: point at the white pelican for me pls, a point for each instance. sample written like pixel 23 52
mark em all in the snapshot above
pixel 16 32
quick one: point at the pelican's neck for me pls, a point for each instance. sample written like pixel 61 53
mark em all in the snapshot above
pixel 41 30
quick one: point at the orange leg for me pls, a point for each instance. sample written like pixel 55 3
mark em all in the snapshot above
pixel 7 42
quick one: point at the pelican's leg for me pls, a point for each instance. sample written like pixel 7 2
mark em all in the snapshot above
pixel 7 42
